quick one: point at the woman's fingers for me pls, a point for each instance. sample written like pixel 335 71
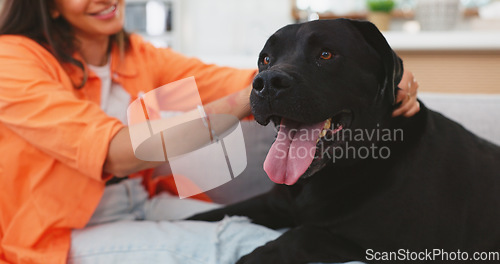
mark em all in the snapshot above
pixel 407 95
pixel 401 96
pixel 413 110
pixel 405 106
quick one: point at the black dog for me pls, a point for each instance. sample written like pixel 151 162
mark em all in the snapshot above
pixel 373 187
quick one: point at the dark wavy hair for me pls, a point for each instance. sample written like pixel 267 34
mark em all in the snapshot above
pixel 31 18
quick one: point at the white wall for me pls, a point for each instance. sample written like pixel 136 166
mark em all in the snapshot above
pixel 227 28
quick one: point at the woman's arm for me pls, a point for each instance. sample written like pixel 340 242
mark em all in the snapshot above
pixel 40 106
pixel 221 90
pixel 121 161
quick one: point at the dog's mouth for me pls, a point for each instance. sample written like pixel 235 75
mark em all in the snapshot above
pixel 302 149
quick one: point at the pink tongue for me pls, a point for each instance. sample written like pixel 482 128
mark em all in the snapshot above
pixel 292 152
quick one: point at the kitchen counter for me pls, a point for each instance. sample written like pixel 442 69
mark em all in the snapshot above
pixel 443 62
pixel 452 61
pixel 448 40
pixel 402 41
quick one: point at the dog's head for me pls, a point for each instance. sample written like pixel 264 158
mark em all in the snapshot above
pixel 316 80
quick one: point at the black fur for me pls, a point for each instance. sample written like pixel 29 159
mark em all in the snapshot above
pixel 439 189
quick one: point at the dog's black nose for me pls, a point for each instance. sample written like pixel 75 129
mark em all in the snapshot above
pixel 271 80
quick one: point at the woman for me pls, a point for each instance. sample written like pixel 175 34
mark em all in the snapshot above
pixel 61 141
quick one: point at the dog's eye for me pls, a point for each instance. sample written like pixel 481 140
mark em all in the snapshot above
pixel 326 55
pixel 266 60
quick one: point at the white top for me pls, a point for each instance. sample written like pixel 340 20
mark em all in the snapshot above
pixel 114 99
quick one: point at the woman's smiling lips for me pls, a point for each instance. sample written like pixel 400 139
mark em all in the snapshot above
pixel 106 13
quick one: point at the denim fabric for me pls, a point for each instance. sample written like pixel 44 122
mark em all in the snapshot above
pixel 129 228
pixel 182 242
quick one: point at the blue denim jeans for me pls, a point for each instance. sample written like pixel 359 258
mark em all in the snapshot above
pixel 127 228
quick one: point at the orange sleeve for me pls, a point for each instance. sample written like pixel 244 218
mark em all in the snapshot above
pixel 213 81
pixel 38 103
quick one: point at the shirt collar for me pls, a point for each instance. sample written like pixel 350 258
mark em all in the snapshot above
pixel 119 65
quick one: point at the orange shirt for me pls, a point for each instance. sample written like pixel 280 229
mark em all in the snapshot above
pixel 54 138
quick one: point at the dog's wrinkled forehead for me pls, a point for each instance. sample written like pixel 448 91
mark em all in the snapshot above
pixel 336 31
pixel 357 43
pixel 324 29
pixel 338 36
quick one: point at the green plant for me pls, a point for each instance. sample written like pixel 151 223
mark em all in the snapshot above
pixel 380 5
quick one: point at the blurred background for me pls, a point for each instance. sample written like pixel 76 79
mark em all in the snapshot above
pixel 450 45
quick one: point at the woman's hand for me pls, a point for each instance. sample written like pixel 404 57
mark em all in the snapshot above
pixel 408 96
pixel 191 135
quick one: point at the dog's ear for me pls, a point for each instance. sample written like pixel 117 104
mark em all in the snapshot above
pixel 393 65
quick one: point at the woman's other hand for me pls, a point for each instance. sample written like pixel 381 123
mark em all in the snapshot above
pixel 407 95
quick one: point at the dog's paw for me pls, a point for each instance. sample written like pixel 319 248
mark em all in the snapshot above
pixel 252 259
pixel 261 255
pixel 196 217
pixel 210 216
